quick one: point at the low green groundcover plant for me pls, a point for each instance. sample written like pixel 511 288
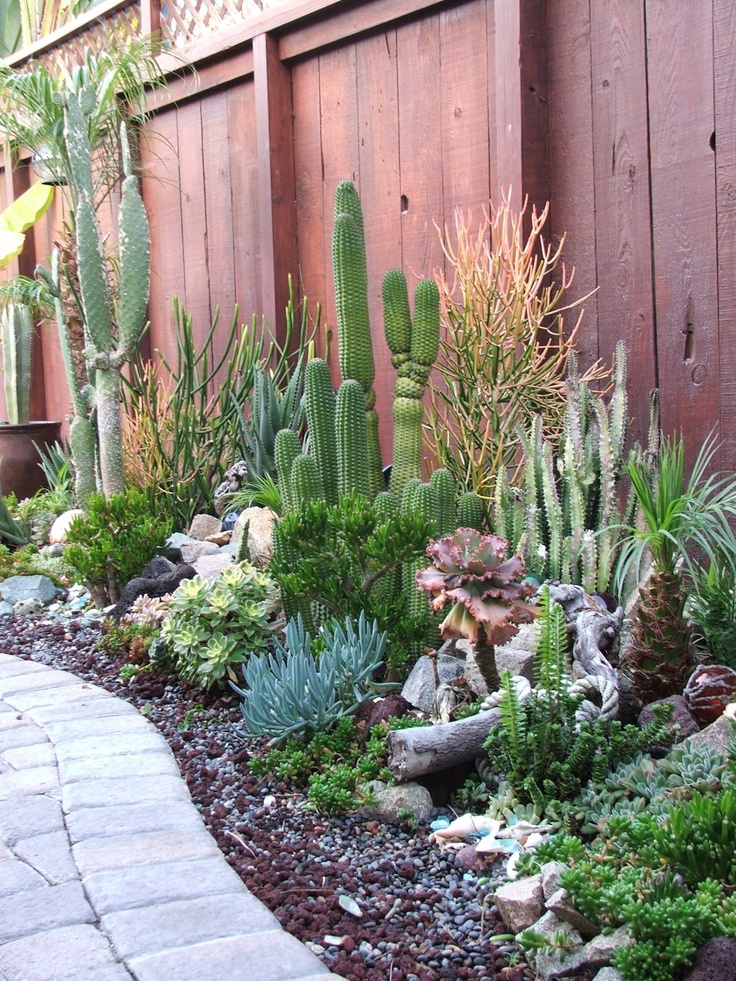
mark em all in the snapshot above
pixel 333 766
pixel 661 861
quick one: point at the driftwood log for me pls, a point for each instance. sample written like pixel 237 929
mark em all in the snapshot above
pixel 427 749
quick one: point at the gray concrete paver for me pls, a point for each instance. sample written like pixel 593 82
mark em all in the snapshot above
pixel 258 957
pixel 40 910
pixel 111 871
pixel 170 925
pixel 50 856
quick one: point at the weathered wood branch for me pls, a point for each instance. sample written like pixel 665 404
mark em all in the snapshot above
pixel 415 752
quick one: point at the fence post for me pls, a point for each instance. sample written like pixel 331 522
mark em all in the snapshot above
pixel 276 180
pixel 150 17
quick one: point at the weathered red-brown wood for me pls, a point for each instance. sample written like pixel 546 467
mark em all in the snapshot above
pixel 420 150
pixel 684 215
pixel 244 196
pixel 160 187
pixel 623 247
pixel 463 108
pixel 724 78
pixel 275 143
pixel 311 275
pixel 219 204
pixel 195 290
pixel 571 159
pixel 378 127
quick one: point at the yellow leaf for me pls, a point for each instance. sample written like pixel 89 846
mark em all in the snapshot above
pixel 11 245
pixel 27 209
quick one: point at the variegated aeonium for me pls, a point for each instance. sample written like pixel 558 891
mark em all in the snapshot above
pixel 215 624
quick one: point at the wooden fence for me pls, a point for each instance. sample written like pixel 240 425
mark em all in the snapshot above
pixel 622 114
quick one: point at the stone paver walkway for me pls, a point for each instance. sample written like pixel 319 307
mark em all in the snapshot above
pixel 106 869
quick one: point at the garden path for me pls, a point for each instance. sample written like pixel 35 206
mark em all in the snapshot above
pixel 106 869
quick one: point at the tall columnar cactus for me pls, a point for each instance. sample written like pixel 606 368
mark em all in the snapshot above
pixel 113 325
pixel 16 324
pixel 319 408
pixel 355 346
pixel 414 347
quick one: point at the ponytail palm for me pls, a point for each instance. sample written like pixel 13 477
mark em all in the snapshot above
pixel 684 524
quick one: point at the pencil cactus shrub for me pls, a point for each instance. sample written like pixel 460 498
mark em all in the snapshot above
pixel 471 573
pixel 355 345
pixel 414 345
pixel 113 324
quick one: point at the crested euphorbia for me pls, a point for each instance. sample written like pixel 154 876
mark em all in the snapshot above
pixel 471 571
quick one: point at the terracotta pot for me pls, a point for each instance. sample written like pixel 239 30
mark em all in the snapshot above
pixel 20 473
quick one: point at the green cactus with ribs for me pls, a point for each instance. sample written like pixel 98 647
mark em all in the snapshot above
pixel 113 319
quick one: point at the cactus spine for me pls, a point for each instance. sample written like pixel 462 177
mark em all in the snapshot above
pixel 352 441
pixel 414 346
pixel 355 346
pixel 319 408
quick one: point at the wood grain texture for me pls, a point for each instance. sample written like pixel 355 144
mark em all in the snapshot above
pixel 219 205
pixel 244 197
pixel 623 247
pixel 311 280
pixel 684 215
pixel 724 77
pixel 161 195
pixel 572 193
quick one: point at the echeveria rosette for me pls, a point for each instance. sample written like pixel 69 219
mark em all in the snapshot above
pixel 471 571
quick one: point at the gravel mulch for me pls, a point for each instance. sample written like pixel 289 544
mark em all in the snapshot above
pixel 424 918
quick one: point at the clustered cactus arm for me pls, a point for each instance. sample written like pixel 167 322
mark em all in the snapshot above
pixel 16 324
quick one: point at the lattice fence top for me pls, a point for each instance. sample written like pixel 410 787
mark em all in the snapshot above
pixel 184 21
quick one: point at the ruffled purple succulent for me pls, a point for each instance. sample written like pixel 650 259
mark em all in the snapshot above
pixel 471 571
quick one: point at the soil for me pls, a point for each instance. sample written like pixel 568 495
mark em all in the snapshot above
pixel 424 918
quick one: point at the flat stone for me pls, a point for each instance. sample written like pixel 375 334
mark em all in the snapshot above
pixel 50 855
pixel 210 566
pixel 141 765
pixel 96 704
pixel 420 687
pixel 44 695
pixel 64 953
pixel 25 735
pixel 97 822
pixel 23 757
pixel 608 974
pixel 65 730
pixel 113 792
pixel 260 522
pixel 715 736
pixel 124 851
pixel 257 957
pixel 10 719
pixel 24 783
pixel 551 873
pixel 154 928
pixel 520 903
pixel 25 818
pixel 40 909
pixel 191 551
pixel 600 949
pixel 16 877
pixel 204 525
pixel 13 667
pixel 144 885
pixel 559 904
pixel 148 740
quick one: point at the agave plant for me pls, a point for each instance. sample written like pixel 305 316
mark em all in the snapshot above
pixel 470 570
pixel 685 525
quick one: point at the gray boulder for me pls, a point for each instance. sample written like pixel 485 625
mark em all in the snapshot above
pixel 17 588
pixel 393 804
pixel 420 688
pixel 154 588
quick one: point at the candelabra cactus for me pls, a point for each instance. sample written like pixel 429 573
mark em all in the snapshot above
pixel 355 346
pixel 414 346
pixel 112 324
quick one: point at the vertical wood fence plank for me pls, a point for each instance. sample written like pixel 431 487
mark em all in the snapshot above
pixel 340 157
pixel 160 163
pixel 380 193
pixel 572 195
pixel 244 197
pixel 219 203
pixel 724 35
pixel 310 203
pixel 623 247
pixel 684 216
pixel 464 108
pixel 420 149
pixel 275 144
pixel 196 286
